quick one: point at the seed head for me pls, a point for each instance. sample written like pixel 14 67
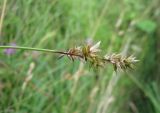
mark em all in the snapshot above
pixel 121 62
pixel 89 53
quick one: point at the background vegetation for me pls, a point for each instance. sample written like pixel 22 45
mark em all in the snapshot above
pixel 34 82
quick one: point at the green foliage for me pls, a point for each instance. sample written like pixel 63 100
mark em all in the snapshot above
pixel 38 82
pixel 147 26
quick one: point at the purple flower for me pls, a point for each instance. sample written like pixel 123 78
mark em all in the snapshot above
pixel 10 51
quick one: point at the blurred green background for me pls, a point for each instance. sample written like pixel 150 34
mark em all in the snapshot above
pixel 35 82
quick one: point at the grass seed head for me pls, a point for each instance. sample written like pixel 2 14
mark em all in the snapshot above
pixel 90 53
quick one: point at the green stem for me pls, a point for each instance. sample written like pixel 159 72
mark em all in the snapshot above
pixel 29 48
pixel 39 49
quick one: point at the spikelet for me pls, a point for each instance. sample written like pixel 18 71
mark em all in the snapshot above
pixel 120 62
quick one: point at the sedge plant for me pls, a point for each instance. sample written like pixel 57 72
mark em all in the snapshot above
pixel 88 53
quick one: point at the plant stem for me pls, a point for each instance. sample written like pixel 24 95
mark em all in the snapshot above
pixel 29 48
pixel 39 49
